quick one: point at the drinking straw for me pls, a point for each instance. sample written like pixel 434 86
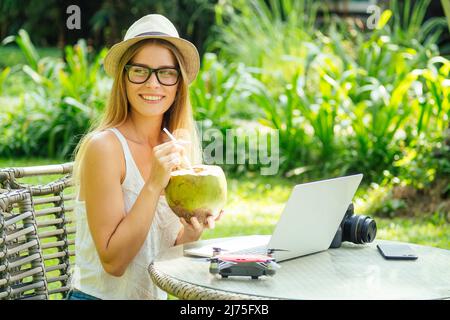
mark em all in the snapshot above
pixel 174 139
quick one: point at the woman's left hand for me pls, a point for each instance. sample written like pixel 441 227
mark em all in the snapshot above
pixel 193 230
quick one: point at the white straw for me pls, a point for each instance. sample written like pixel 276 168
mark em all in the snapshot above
pixel 169 134
pixel 174 139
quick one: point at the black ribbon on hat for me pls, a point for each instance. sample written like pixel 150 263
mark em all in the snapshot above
pixel 153 33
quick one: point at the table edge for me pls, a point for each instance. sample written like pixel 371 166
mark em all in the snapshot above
pixel 188 291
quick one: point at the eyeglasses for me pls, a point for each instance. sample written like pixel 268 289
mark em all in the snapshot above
pixel 139 74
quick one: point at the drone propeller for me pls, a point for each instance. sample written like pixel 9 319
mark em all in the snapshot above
pixel 211 259
pixel 274 265
pixel 271 250
pixel 270 264
pixel 226 264
pixel 216 251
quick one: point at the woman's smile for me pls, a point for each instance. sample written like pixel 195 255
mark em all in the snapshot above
pixel 151 98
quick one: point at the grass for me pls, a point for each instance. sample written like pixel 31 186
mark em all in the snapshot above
pixel 425 231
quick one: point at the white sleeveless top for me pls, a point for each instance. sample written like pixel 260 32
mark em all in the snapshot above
pixel 89 275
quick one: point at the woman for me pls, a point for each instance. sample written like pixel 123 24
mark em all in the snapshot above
pixel 123 165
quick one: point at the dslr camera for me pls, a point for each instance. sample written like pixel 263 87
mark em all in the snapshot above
pixel 354 228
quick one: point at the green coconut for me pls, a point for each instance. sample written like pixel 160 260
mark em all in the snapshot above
pixel 200 192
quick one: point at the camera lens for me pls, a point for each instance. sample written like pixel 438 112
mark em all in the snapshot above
pixel 359 229
pixel 368 230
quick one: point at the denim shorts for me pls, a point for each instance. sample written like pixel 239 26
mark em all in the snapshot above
pixel 79 295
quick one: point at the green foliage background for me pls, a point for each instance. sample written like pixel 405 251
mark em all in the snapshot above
pixel 343 98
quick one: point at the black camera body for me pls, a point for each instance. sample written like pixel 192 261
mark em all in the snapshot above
pixel 354 228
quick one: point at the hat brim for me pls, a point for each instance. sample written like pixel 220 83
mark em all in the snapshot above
pixel 189 54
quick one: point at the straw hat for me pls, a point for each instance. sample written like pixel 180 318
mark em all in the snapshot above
pixel 155 26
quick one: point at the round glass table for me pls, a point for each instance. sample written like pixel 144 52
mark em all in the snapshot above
pixel 349 272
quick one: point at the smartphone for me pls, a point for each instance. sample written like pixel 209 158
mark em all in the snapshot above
pixel 393 251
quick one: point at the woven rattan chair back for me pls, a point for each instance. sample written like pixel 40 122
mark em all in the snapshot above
pixel 22 271
pixel 51 201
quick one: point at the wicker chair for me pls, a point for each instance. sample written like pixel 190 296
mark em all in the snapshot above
pixel 36 232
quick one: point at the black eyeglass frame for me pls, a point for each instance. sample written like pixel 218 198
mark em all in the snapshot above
pixel 150 72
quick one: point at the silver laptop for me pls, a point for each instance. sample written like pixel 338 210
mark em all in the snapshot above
pixel 307 224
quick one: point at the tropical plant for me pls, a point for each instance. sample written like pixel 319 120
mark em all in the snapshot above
pixel 58 108
pixel 213 90
pixel 3 75
pixel 266 34
pixel 409 26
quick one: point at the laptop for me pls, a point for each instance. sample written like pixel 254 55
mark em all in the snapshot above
pixel 307 224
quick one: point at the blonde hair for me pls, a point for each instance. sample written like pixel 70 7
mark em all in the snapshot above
pixel 178 119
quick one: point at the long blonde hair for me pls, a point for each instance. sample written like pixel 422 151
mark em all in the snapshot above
pixel 179 117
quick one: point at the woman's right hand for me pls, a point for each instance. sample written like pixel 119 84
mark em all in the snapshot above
pixel 166 157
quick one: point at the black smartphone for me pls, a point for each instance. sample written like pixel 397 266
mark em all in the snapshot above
pixel 394 251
